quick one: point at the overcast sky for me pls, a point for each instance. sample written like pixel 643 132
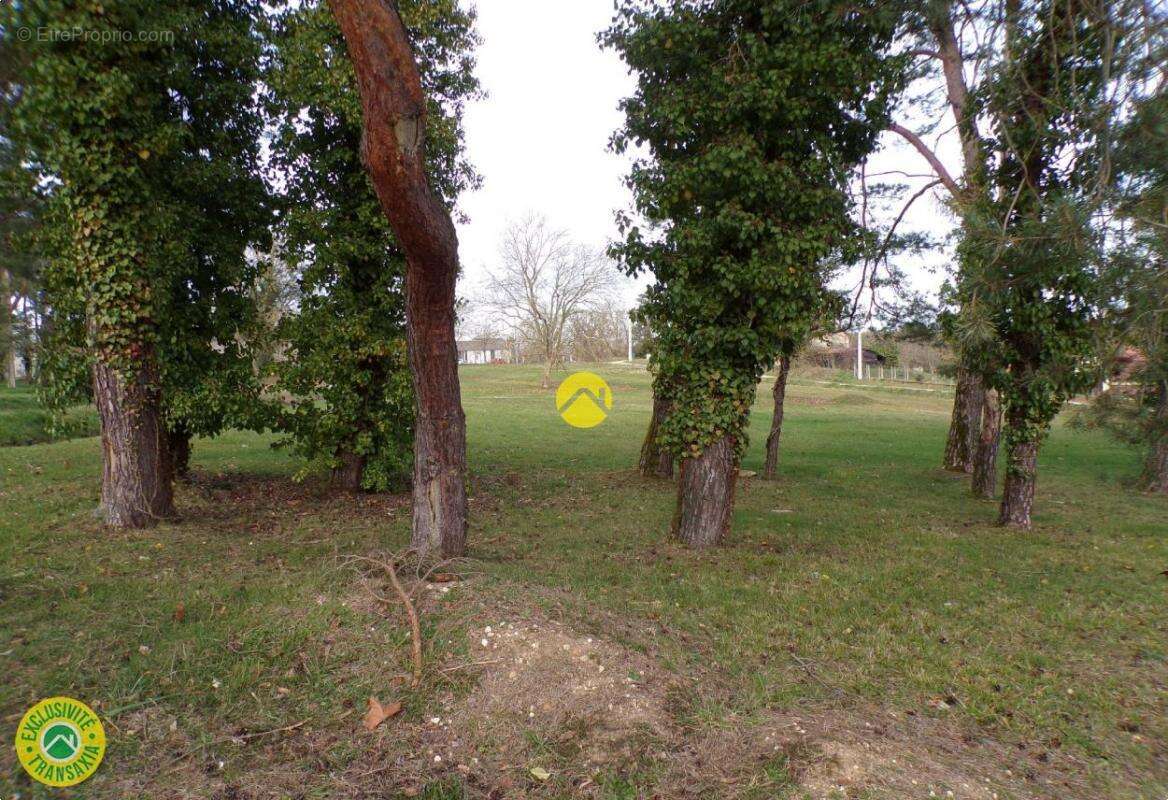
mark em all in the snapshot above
pixel 540 136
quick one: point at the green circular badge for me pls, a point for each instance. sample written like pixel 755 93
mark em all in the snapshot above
pixel 60 741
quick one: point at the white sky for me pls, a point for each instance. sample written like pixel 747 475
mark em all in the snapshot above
pixel 540 136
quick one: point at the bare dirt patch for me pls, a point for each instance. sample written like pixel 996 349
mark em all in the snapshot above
pixel 548 707
pixel 858 753
pixel 584 710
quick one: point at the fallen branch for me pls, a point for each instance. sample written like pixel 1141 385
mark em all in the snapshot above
pixel 457 667
pixel 411 612
pixel 259 734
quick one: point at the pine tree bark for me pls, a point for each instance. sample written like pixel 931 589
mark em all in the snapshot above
pixel 770 469
pixel 1018 492
pixel 136 488
pixel 1156 466
pixel 348 474
pixel 179 443
pixel 985 462
pixel 705 495
pixel 656 462
pixel 393 148
pixel 965 423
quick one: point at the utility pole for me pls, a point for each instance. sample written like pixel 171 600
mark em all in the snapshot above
pixel 859 354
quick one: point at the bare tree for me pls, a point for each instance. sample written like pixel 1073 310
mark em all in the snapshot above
pixel 600 333
pixel 543 282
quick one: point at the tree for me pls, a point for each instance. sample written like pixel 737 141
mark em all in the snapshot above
pixel 146 150
pixel 937 34
pixel 656 459
pixel 1143 162
pixel 1137 324
pixel 18 265
pixel 394 148
pixel 90 116
pixel 779 396
pixel 985 462
pixel 544 284
pixel 600 333
pixel 215 193
pixel 752 116
pixel 1033 250
pixel 344 371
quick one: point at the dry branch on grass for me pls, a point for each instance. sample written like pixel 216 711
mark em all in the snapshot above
pixel 407 604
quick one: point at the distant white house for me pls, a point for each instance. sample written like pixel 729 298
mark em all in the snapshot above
pixel 485 351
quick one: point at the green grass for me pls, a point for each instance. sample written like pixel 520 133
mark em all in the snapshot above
pixel 23 421
pixel 864 578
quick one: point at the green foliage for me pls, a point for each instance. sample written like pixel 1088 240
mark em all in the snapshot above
pixel 145 138
pixel 344 375
pixel 1138 281
pixel 1031 249
pixel 753 116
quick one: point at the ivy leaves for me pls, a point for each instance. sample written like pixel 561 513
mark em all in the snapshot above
pixel 752 115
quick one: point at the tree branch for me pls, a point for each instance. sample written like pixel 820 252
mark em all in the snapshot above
pixel 934 162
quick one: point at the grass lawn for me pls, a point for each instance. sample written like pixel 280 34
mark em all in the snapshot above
pixel 24 421
pixel 866 632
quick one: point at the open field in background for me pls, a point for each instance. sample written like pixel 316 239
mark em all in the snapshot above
pixel 866 632
pixel 23 421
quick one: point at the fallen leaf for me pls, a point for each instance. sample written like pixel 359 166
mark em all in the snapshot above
pixel 378 713
pixel 539 773
pixel 180 613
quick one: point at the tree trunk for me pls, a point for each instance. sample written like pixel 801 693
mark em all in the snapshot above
pixel 179 442
pixel 136 489
pixel 8 340
pixel 771 468
pixel 393 148
pixel 547 374
pixel 965 424
pixel 656 462
pixel 1156 467
pixel 705 495
pixel 10 366
pixel 1018 492
pixel 985 462
pixel 348 474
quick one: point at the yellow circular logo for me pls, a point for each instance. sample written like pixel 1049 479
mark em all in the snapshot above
pixel 584 400
pixel 60 741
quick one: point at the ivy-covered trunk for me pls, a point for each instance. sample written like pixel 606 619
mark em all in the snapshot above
pixel 656 461
pixel 348 473
pixel 779 393
pixel 136 488
pixel 179 442
pixel 1021 478
pixel 964 425
pixel 1156 467
pixel 393 147
pixel 705 495
pixel 985 462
